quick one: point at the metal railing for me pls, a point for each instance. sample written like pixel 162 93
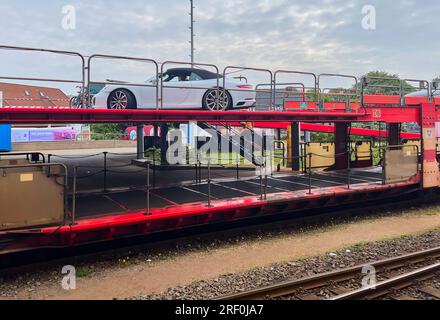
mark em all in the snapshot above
pixel 254 90
pixel 345 94
pixel 314 89
pixel 30 156
pixel 81 81
pixel 396 86
pixel 295 91
pixel 135 59
pixel 262 176
pixel 173 87
pixel 315 93
pixel 105 168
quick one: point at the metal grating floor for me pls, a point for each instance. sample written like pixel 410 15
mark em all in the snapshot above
pixel 126 201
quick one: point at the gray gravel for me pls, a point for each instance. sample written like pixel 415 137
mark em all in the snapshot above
pixel 356 255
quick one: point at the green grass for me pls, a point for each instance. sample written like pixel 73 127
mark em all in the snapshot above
pixel 84 272
pixel 357 246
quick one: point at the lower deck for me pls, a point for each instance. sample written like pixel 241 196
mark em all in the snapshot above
pixel 120 202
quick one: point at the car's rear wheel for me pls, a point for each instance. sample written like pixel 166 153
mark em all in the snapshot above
pixel 217 100
pixel 121 99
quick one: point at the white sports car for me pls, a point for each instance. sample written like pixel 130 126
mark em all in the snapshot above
pixel 424 93
pixel 183 88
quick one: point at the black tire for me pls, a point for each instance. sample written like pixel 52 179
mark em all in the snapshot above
pixel 75 102
pixel 121 99
pixel 209 98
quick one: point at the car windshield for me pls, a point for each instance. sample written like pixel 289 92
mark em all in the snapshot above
pixel 175 75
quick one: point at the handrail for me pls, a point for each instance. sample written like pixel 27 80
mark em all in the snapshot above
pixel 316 83
pixel 104 56
pixel 86 81
pixel 189 88
pixel 271 106
pixel 27 154
pixel 82 81
pixel 335 75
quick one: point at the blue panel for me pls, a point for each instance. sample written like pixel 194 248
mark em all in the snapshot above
pixel 5 138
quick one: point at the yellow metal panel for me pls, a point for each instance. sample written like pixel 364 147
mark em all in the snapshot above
pixel 29 198
pixel 363 151
pixel 416 143
pixel 323 154
pixel 401 164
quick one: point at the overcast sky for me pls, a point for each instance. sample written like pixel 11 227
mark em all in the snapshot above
pixel 318 36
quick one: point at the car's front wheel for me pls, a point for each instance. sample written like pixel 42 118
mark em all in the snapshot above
pixel 121 99
pixel 217 100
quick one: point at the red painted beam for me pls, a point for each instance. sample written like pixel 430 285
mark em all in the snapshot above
pixel 330 129
pixel 48 116
pixel 378 108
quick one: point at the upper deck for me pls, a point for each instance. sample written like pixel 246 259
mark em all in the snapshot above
pixel 282 95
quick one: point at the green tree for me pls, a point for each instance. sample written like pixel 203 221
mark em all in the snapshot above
pixel 107 131
pixel 383 82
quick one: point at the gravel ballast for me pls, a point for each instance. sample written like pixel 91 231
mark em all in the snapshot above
pixel 356 255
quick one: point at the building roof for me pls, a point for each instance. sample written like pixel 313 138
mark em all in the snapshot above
pixel 18 95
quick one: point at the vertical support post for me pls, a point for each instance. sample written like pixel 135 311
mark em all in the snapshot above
pixel 209 184
pixel 49 158
pixel 140 146
pixel 192 31
pixel 341 146
pixel 156 134
pixel 164 128
pixel 265 182
pixel 295 146
pixel 238 165
pixel 310 172
pixel 148 189
pixel 430 166
pixel 197 172
pixel 393 134
pixel 271 158
pixel 261 183
pixel 154 168
pixel 75 174
pixel 383 152
pixel 349 170
pixel 105 171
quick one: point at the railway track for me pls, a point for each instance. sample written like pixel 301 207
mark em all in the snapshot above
pixel 391 275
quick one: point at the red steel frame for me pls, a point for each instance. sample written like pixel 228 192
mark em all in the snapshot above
pixel 376 109
pixel 113 227
pixel 176 217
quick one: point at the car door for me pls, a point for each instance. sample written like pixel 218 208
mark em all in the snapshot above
pixel 200 87
pixel 149 94
pixel 175 92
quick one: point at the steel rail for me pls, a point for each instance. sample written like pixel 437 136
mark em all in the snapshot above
pixel 382 288
pixel 289 287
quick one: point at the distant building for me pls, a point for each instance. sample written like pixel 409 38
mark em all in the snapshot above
pixel 18 95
